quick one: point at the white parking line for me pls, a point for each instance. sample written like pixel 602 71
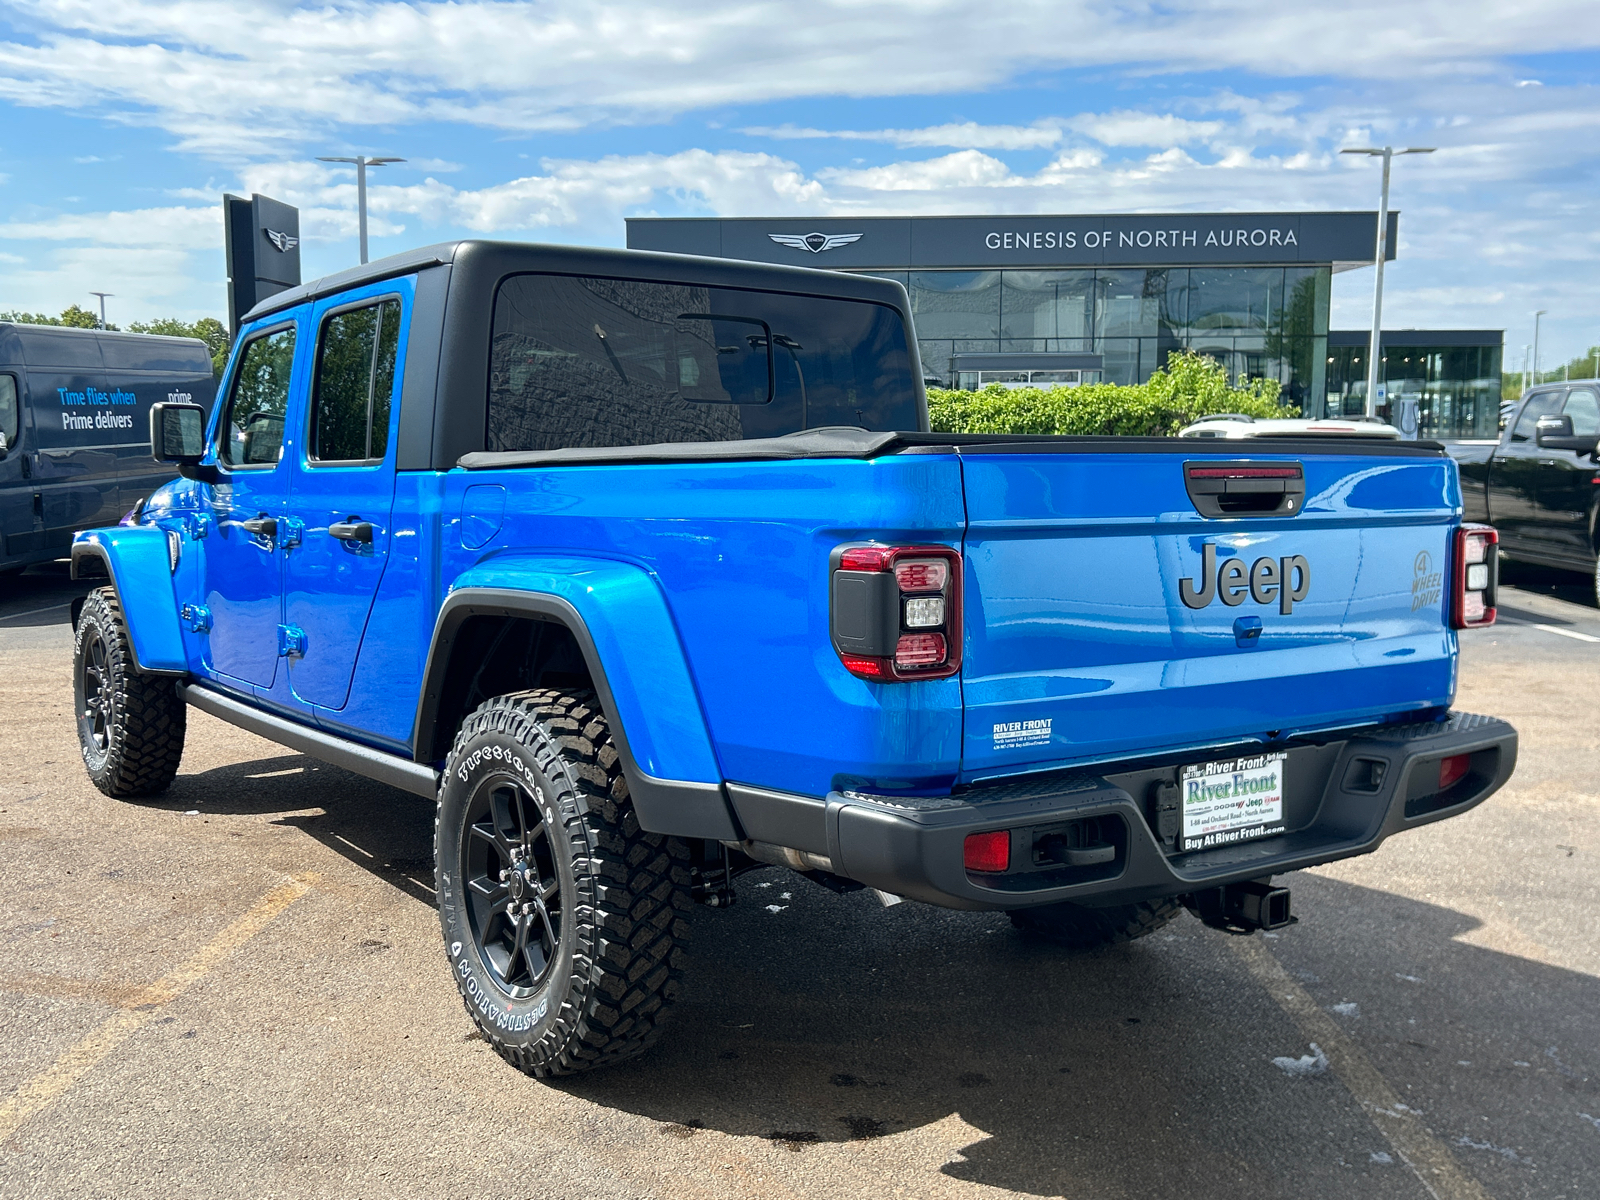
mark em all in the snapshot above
pixel 1429 1159
pixel 1571 633
pixel 34 612
pixel 46 1087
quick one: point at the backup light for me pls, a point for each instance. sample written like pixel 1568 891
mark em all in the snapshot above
pixel 1475 577
pixel 924 612
pixel 989 852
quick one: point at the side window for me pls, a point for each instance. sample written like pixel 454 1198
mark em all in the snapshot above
pixel 1538 406
pixel 355 383
pixel 259 402
pixel 1583 406
pixel 9 424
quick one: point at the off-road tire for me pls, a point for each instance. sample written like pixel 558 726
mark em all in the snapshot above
pixel 617 895
pixel 131 725
pixel 1081 928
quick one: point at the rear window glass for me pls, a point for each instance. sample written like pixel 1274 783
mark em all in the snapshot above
pixel 618 362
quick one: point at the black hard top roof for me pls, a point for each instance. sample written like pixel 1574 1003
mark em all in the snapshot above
pixel 504 258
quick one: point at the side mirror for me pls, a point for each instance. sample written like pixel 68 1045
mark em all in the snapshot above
pixel 178 435
pixel 1557 425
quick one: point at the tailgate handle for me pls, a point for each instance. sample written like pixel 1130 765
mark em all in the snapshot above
pixel 1245 488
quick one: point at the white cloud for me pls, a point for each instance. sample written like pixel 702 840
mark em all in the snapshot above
pixel 968 135
pixel 245 75
pixel 1125 128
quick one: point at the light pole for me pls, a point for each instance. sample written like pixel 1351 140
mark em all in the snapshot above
pixel 1527 357
pixel 361 164
pixel 1387 154
pixel 1541 312
pixel 102 296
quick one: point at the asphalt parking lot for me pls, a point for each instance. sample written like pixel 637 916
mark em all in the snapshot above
pixel 237 989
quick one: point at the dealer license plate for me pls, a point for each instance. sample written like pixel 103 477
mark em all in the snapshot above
pixel 1231 801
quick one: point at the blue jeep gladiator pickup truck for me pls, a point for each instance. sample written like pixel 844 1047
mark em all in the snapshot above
pixel 648 571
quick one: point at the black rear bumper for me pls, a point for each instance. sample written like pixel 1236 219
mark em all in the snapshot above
pixel 1343 796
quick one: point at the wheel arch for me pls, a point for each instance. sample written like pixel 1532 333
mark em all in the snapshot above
pixel 664 746
pixel 127 553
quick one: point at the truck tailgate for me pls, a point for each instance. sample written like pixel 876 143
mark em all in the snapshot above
pixel 1093 633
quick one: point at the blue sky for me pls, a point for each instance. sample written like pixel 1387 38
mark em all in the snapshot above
pixel 122 124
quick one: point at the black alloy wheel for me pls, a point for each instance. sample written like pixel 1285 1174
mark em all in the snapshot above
pixel 513 890
pixel 563 920
pixel 131 724
pixel 97 703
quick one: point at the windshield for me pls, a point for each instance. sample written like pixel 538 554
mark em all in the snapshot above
pixel 581 361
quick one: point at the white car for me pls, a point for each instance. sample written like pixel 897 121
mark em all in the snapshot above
pixel 1237 425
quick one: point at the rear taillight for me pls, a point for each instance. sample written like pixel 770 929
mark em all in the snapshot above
pixel 896 611
pixel 1476 577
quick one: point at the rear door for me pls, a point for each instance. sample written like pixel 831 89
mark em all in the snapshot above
pixel 76 429
pixel 1107 616
pixel 342 486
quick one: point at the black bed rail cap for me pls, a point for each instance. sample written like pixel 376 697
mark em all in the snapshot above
pixel 840 441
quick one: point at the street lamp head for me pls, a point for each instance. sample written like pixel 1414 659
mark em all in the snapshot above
pixel 320 158
pixel 378 162
pixel 1360 150
pixel 1418 150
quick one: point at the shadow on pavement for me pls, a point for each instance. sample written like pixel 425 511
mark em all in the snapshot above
pixel 1575 587
pixel 1140 1071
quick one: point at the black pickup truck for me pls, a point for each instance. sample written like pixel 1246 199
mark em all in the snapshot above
pixel 1539 485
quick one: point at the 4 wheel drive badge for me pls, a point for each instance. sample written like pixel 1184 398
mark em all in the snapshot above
pixel 282 242
pixel 814 242
pixel 1286 580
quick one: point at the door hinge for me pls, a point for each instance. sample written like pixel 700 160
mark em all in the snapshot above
pixel 196 525
pixel 198 616
pixel 289 531
pixel 291 641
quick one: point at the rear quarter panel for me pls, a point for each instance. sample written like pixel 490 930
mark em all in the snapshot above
pixel 740 552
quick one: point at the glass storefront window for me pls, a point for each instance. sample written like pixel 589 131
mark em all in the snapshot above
pixel 1245 299
pixel 1128 303
pixel 1046 304
pixel 956 304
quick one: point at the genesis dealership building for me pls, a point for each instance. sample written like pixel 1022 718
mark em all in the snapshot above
pixel 1075 299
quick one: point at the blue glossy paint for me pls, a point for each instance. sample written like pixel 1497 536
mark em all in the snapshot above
pixel 329 585
pixel 140 569
pixel 1074 613
pixel 705 588
pixel 625 613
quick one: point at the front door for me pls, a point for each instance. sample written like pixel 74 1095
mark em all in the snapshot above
pixel 243 547
pixel 342 489
pixel 1566 482
pixel 1514 477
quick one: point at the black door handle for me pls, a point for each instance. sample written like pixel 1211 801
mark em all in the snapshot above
pixel 262 526
pixel 352 531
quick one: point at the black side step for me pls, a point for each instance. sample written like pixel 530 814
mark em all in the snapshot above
pixel 417 778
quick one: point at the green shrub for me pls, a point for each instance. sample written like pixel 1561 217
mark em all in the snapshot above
pixel 1192 386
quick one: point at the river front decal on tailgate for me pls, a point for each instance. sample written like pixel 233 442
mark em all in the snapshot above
pixel 1014 735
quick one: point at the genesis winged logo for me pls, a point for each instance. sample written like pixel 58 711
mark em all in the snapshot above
pixel 814 242
pixel 282 242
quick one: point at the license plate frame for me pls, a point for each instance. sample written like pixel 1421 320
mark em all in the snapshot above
pixel 1228 801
